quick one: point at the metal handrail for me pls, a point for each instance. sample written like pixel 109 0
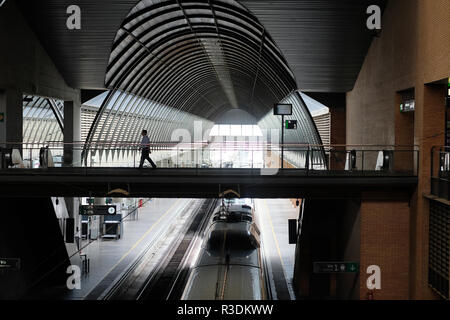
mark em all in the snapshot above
pixel 211 141
pixel 164 143
pixel 300 155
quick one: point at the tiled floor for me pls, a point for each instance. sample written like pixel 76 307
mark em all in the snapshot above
pixel 110 258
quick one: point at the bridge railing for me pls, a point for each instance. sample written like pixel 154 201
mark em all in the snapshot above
pixel 237 154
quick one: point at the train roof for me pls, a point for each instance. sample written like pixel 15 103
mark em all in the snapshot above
pixel 236 208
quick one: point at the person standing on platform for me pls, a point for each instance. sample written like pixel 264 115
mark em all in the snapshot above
pixel 145 149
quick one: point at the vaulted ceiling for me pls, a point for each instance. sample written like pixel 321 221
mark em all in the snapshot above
pixel 203 57
pixel 324 42
pixel 181 59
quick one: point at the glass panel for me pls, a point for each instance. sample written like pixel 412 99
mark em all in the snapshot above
pixel 214 131
pixel 224 130
pixel 247 131
pixel 257 131
pixel 236 130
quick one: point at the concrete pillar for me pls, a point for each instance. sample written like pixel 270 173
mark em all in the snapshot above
pixel 32 233
pixel 338 137
pixel 72 153
pixel 72 133
pixel 338 125
pixel 348 246
pixel 318 241
pixel 11 108
pixel 336 102
pixel 404 138
pixel 385 243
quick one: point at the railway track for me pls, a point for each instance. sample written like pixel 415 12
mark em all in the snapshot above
pixel 166 281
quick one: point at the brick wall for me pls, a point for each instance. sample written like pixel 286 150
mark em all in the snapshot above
pixel 385 243
pixel 413 51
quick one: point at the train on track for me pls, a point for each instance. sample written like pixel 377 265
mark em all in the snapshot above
pixel 230 265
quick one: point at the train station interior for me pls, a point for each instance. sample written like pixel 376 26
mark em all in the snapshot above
pixel 300 150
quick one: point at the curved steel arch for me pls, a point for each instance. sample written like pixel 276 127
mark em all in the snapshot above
pixel 219 11
pixel 236 37
pixel 174 62
pixel 169 86
pixel 43 117
pixel 234 57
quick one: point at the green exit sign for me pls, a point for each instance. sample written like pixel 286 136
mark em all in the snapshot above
pixel 336 267
pixel 291 124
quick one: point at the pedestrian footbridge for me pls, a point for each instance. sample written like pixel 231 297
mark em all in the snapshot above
pixel 206 172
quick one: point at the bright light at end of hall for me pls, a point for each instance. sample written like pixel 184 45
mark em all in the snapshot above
pixel 227 130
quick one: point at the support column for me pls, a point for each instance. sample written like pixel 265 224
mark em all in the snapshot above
pixel 336 102
pixel 338 134
pixel 72 153
pixel 72 133
pixel 31 232
pixel 404 138
pixel 11 108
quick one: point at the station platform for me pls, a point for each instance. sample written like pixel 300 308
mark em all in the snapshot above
pixel 273 216
pixel 110 259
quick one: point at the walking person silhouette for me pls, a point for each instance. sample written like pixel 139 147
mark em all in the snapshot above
pixel 145 149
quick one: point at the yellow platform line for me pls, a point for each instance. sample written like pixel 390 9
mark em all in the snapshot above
pixel 273 232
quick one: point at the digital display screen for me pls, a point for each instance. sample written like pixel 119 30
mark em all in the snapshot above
pixel 282 110
pixel 98 210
